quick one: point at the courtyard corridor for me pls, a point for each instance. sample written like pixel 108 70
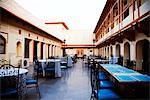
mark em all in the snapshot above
pixel 73 85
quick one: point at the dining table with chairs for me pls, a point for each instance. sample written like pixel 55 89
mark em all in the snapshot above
pixel 123 74
pixel 57 67
pixel 13 79
pixel 130 83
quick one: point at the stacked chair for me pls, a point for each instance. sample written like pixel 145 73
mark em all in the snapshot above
pixel 102 88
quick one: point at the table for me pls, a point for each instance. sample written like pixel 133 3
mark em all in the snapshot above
pixel 22 82
pixel 57 66
pixel 102 61
pixel 129 83
pixel 125 75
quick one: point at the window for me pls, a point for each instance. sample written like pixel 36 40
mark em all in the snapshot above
pixel 126 13
pixel 26 48
pixel 2 44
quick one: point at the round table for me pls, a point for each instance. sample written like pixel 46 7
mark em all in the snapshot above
pixel 22 78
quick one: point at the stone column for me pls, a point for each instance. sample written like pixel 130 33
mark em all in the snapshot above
pixel 39 50
pixel 31 50
pixel 122 49
pixel 44 47
pixel 114 50
pixel 132 51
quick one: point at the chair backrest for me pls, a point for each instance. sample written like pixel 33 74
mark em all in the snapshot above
pixel 9 78
pixel 93 75
pixel 33 71
pixel 3 61
pixel 50 65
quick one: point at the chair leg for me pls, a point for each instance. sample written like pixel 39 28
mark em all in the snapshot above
pixel 38 90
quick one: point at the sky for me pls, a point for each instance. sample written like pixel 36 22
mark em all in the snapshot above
pixel 77 14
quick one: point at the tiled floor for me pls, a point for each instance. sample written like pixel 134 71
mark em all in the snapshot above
pixel 73 85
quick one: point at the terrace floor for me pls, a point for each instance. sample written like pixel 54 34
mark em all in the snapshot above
pixel 73 85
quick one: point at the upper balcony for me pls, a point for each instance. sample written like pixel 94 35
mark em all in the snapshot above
pixel 132 13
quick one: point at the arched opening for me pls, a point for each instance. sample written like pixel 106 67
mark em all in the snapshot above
pixel 35 49
pixel 142 56
pixel 126 54
pixel 117 50
pixel 108 52
pixel 18 49
pixel 2 44
pixel 111 50
pixel 105 52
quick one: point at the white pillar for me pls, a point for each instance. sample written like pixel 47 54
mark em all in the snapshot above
pixel 132 51
pixel 46 50
pixel 122 49
pixel 31 50
pixel 56 50
pixel 103 51
pixel 50 47
pixel 114 50
pixel 39 50
pixel 44 47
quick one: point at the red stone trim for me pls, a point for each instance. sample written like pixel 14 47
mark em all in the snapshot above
pixel 63 23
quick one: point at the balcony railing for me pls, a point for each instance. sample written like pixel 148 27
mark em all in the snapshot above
pixel 132 17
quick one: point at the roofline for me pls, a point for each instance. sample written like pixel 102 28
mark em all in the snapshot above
pixel 107 6
pixel 63 23
pixel 78 45
pixel 30 23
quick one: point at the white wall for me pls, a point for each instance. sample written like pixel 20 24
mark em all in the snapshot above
pixel 78 37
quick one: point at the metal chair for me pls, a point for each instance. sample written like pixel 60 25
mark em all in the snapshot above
pixel 32 78
pixel 9 79
pixel 99 91
pixel 3 61
pixel 50 69
pixel 63 63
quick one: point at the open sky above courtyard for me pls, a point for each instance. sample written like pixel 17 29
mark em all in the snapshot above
pixel 77 14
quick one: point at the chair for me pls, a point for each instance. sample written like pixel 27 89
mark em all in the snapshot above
pixel 63 63
pixel 9 78
pixel 32 78
pixel 38 67
pixel 103 80
pixel 101 89
pixel 50 69
pixel 3 61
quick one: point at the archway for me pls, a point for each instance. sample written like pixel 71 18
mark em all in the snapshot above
pixel 142 56
pixel 126 53
pixel 2 44
pixel 117 50
pixel 111 50
pixel 35 49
